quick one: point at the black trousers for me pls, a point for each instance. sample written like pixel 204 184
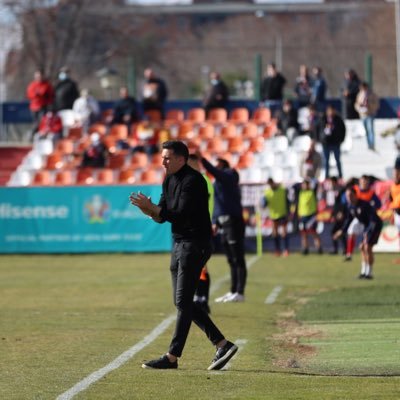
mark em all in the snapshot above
pixel 232 239
pixel 187 261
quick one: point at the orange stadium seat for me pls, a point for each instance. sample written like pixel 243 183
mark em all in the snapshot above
pixel 215 145
pixel 64 177
pixel 150 177
pixel 84 176
pixel 246 160
pixel 117 160
pixel 174 116
pixel 217 116
pixel 185 130
pixel 196 115
pixel 256 144
pixel 153 115
pixel 75 133
pixel 119 131
pixel 65 146
pixel 42 178
pixel 261 115
pixel 207 131
pixel 54 161
pixel 235 145
pixel 105 176
pixel 139 160
pixel 228 131
pixel 239 115
pixel 250 130
pixel 126 176
pixel 157 160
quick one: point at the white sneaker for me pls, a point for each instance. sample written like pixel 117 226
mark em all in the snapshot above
pixel 235 298
pixel 222 298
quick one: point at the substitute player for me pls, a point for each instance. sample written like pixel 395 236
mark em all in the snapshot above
pixel 276 199
pixel 366 215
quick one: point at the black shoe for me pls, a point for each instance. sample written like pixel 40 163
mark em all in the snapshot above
pixel 305 252
pixel 161 363
pixel 222 356
pixel 347 258
pixel 368 277
pixel 361 276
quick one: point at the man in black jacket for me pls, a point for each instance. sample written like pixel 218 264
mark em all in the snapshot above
pixel 184 203
pixel 66 91
pixel 332 133
pixel 218 94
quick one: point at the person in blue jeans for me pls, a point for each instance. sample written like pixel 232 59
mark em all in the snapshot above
pixel 367 105
pixel 332 134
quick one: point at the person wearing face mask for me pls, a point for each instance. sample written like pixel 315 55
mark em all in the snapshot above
pixel 66 91
pixel 218 93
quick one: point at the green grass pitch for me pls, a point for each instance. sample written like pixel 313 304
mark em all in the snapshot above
pixel 328 335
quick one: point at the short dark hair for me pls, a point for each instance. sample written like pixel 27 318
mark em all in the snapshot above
pixel 224 163
pixel 179 148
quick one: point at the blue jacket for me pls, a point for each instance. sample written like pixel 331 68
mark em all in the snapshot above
pixel 227 193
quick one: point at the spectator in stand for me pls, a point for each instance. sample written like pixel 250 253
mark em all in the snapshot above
pixel 365 192
pixel 228 220
pixel 367 105
pixel 288 124
pixel 272 85
pixel 302 87
pixel 350 92
pixel 50 126
pixel 372 226
pixel 332 134
pixel 318 89
pixel 218 93
pixel 310 164
pixel 146 139
pixel 277 201
pixel 66 91
pixel 155 92
pixel 87 109
pixel 306 204
pixel 125 109
pixel 95 155
pixel 40 93
pixel 309 122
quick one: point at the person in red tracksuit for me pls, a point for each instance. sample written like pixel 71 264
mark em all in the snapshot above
pixel 40 93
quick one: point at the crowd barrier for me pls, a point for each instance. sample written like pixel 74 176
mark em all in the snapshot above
pixel 78 219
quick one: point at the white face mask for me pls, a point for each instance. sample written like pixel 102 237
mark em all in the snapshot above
pixel 62 76
pixel 214 81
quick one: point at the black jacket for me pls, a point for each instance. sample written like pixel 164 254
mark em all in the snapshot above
pixel 66 92
pixel 184 203
pixel 332 132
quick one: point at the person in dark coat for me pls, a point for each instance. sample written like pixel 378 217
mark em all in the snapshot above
pixel 125 109
pixel 66 91
pixel 332 133
pixel 155 92
pixel 350 92
pixel 218 94
pixel 273 84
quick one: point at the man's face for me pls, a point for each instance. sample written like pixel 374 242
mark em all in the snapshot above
pixel 171 162
pixel 351 197
pixel 364 183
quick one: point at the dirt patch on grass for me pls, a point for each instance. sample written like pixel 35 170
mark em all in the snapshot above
pixel 288 350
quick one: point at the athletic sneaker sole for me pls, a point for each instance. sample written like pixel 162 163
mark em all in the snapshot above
pixel 219 364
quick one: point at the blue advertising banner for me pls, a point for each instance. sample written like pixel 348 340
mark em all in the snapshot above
pixel 78 219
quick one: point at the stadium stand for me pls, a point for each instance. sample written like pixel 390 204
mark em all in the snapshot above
pixel 248 142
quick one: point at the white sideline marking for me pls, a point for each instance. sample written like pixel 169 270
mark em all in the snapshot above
pixel 127 355
pixel 273 295
pixel 120 360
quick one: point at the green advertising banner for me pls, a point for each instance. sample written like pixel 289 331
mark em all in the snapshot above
pixel 79 219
